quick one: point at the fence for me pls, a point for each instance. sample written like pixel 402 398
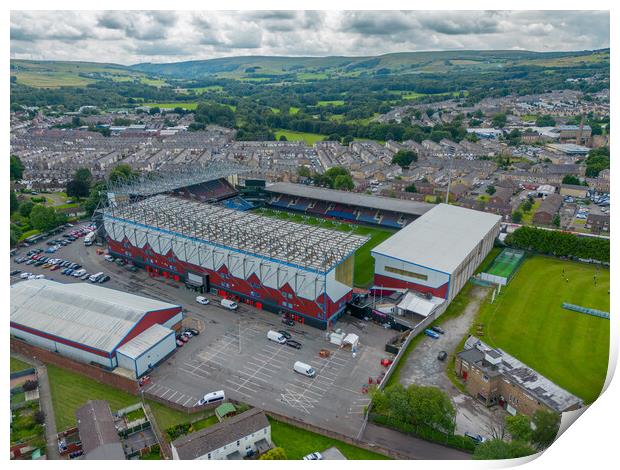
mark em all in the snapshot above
pixel 95 373
pixel 163 443
pixel 493 279
pixel 586 310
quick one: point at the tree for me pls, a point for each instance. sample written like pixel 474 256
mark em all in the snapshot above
pixel 97 194
pixel 25 208
pixel 411 188
pixel 404 158
pixel 17 168
pixel 122 171
pixel 282 138
pixel 546 427
pixel 495 449
pixel 344 182
pixel 277 453
pixel 30 385
pixel 303 171
pixel 155 110
pixel 545 121
pixel 571 179
pixel 517 217
pixel 347 139
pixel 77 189
pixel 14 202
pixel 490 190
pixel 519 427
pixel 527 205
pixel 556 220
pixel 43 218
pixel 84 175
pixel 499 120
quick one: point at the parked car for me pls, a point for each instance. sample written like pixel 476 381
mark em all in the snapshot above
pixel 314 456
pixel 55 267
pixel 109 258
pixel 285 333
pixel 442 355
pixel 288 321
pixel 202 300
pixel 85 277
pixel 293 344
pixel 180 343
pixel 476 437
pixel 193 331
pixel 15 273
pixel 431 333
pixel 185 339
pixel 438 329
pixel 104 278
pixel 39 276
pixel 187 333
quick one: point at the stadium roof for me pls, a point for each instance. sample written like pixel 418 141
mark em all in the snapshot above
pixel 440 239
pixel 306 246
pixel 89 315
pixel 174 178
pixel 138 345
pixel 352 199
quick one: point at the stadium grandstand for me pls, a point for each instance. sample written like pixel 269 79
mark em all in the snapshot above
pixel 343 205
pixel 276 265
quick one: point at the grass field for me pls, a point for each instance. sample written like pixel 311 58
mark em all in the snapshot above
pixel 70 391
pixel 330 103
pixel 188 106
pixel 17 365
pixel 364 263
pixel 306 137
pixel 298 442
pixel 51 79
pixel 528 321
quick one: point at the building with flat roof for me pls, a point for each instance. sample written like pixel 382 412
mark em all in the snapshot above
pixel 436 253
pixel 90 323
pixel 496 378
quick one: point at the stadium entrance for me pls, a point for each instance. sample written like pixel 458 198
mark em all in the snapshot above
pixel 197 282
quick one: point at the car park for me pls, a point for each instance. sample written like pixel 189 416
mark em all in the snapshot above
pixel 293 344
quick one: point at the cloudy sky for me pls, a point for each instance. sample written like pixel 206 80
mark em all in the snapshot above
pixel 129 37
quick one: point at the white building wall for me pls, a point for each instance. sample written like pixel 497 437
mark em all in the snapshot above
pixel 150 358
pixel 435 279
pixel 242 446
pixel 63 349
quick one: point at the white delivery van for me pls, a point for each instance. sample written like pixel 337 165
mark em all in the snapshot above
pixel 95 277
pixel 79 272
pixel 304 369
pixel 276 337
pixel 229 304
pixel 213 397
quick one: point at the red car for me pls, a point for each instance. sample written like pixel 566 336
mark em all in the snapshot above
pixel 55 267
pixel 180 343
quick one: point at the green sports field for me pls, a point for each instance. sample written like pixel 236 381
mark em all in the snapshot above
pixel 527 320
pixel 505 264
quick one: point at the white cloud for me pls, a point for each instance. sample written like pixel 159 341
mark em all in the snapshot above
pixel 129 37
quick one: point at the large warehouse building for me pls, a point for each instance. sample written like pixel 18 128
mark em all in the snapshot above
pixel 93 324
pixel 438 252
pixel 281 266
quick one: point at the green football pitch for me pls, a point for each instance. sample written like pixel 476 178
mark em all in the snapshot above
pixel 527 320
pixel 505 263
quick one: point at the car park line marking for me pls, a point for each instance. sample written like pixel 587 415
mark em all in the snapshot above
pixel 255 377
pixel 240 386
pixel 175 393
pixel 189 400
pixel 178 400
pixel 270 367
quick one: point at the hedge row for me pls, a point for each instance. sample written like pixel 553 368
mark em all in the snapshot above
pixel 424 432
pixel 556 243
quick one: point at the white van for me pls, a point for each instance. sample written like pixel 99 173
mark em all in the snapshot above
pixel 276 337
pixel 95 277
pixel 213 397
pixel 304 369
pixel 79 273
pixel 229 304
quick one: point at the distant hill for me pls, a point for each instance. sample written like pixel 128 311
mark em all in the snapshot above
pixel 404 62
pixel 54 74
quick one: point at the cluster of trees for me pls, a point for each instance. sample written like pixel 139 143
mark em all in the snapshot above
pixel 572 179
pixel 27 216
pixel 17 168
pixel 598 160
pixel 552 242
pixel 425 407
pixel 526 437
pixel 334 178
pixel 404 158
pixel 79 186
pixel 545 121
pixel 277 453
pixel 213 113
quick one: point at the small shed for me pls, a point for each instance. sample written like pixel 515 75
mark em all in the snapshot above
pixel 351 340
pixel 224 410
pixel 144 351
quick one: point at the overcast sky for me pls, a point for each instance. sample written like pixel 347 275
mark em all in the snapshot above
pixel 130 37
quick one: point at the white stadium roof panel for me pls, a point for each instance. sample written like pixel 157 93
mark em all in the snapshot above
pixel 89 315
pixel 440 239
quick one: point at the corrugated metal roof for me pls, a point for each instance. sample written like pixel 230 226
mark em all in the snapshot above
pixel 144 341
pixel 441 238
pixel 90 315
